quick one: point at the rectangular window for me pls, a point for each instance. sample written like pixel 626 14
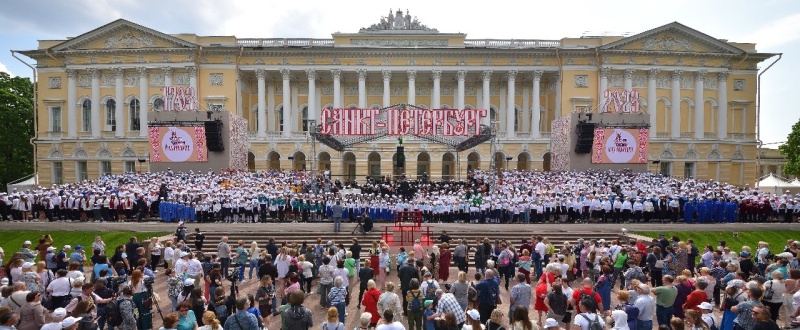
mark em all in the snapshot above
pixel 375 171
pixel 130 166
pixel 666 168
pixel 58 173
pixel 111 121
pixel 105 168
pixel 86 125
pixel 688 171
pixel 82 171
pixel 134 113
pixel 55 119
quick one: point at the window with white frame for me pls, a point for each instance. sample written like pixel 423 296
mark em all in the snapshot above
pixel 130 166
pixel 133 112
pixel 58 173
pixel 304 119
pixel 105 168
pixel 86 115
pixel 688 171
pixel 111 117
pixel 55 119
pixel 280 119
pixel 82 171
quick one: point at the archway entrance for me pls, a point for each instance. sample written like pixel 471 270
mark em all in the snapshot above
pixel 473 161
pixel 273 161
pixel 324 163
pixel 448 166
pixel 547 161
pixel 349 165
pixel 374 165
pixel 423 164
pixel 299 161
pixel 522 161
pixel 251 162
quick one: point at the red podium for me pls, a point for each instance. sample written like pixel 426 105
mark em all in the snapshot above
pixel 408 228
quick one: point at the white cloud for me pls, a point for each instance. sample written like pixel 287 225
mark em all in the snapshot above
pixel 4 68
pixel 776 33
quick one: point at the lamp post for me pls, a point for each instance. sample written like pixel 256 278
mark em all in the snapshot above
pixel 508 159
pixel 291 160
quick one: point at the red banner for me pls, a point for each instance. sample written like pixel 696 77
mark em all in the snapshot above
pixel 400 121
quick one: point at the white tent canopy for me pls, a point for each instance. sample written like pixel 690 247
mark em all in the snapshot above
pixel 773 184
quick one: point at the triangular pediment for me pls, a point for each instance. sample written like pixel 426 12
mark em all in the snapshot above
pixel 122 34
pixel 673 37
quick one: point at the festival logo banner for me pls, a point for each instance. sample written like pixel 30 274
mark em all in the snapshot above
pixel 620 146
pixel 178 144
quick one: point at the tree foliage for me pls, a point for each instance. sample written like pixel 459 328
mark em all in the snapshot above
pixel 16 128
pixel 791 150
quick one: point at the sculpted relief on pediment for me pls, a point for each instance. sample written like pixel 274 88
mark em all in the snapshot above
pixel 128 39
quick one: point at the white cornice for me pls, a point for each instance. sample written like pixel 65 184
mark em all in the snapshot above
pixel 378 68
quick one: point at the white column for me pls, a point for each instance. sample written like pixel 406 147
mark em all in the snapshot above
pixel 143 102
pixel 652 101
pixel 537 103
pixel 262 103
pixel 119 97
pixel 461 75
pixel 628 82
pixel 675 112
pixel 72 115
pixel 510 113
pixel 312 94
pixel 95 102
pixel 558 112
pixel 722 109
pixel 362 88
pixel 487 77
pixel 193 80
pixel 387 87
pixel 603 84
pixel 270 105
pixel 337 88
pixel 436 98
pixel 287 104
pixel 412 91
pixel 525 122
pixel 167 76
pixel 699 109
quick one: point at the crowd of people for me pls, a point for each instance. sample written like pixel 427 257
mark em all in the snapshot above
pixel 666 282
pixel 505 196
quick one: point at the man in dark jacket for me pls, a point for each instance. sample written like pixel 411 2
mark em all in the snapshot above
pixel 406 273
pixel 130 250
pixel 295 315
pixel 488 290
pixel 268 268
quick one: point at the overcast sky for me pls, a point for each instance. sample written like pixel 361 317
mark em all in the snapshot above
pixel 774 25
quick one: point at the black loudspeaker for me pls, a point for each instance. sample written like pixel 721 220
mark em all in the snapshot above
pixel 214 136
pixel 401 157
pixel 585 132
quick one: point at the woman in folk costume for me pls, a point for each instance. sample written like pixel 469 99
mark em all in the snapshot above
pixel 444 262
pixel 374 261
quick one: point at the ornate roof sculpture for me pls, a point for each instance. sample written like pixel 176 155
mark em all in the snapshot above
pixel 398 21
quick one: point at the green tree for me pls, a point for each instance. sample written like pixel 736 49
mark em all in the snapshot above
pixel 791 150
pixel 16 123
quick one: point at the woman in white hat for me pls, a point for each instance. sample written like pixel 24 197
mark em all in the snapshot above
pixel 473 321
pixel 58 315
pixel 551 324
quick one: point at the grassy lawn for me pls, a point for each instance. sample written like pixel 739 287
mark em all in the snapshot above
pixel 776 239
pixel 11 241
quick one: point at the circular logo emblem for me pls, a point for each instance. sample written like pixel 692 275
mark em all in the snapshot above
pixel 620 146
pixel 177 145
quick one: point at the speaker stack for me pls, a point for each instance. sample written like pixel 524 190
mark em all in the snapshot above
pixel 214 136
pixel 585 137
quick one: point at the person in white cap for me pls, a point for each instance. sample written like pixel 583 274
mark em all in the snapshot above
pixel 620 319
pixel 58 315
pixel 27 254
pixel 70 323
pixel 551 324
pixel 708 315
pixel 473 321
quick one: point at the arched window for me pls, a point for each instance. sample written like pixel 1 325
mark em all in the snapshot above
pixel 111 119
pixel 86 112
pixel 158 104
pixel 133 112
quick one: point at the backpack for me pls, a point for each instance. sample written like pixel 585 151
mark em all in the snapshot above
pixel 472 293
pixel 221 310
pixel 589 296
pixel 416 303
pixel 770 256
pixel 713 325
pixel 504 259
pixel 769 293
pixel 594 324
pixel 113 313
pixel 430 291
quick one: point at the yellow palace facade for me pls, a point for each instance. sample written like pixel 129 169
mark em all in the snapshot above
pixel 95 90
